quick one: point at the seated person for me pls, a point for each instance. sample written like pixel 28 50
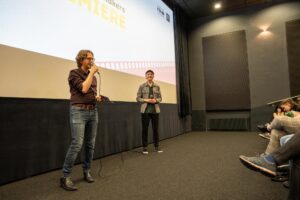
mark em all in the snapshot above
pixel 280 126
pixel 283 109
pixel 268 163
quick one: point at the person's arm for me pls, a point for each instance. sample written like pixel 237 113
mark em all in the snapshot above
pixel 275 114
pixel 275 122
pixel 296 113
pixel 158 99
pixel 98 98
pixel 76 81
pixel 139 97
pixel 88 81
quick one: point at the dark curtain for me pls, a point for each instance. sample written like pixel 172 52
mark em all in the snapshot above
pixel 182 65
pixel 35 133
pixel 181 56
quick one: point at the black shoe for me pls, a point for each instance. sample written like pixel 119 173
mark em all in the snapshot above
pixel 263 128
pixel 67 184
pixel 286 184
pixel 145 151
pixel 279 178
pixel 88 177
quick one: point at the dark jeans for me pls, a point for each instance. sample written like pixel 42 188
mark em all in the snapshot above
pixel 146 118
pixel 84 125
pixel 291 151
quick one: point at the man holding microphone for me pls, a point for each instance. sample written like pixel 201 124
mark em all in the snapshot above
pixel 83 116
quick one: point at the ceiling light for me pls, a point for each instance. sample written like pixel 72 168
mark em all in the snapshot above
pixel 217 5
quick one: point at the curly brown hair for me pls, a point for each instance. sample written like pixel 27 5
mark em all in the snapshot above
pixel 82 54
pixel 288 101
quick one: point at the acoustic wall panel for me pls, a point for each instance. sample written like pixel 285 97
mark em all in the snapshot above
pixel 226 71
pixel 293 52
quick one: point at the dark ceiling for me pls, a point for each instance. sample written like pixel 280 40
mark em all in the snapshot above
pixel 203 8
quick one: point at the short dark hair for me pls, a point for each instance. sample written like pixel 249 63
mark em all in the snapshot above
pixel 149 70
pixel 82 54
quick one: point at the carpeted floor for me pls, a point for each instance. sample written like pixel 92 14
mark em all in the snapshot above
pixel 197 165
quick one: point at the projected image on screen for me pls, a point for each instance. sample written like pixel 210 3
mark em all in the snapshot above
pixel 130 36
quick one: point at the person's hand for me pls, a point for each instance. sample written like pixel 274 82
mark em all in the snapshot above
pixel 98 98
pixel 94 69
pixel 153 101
pixel 296 113
pixel 150 100
pixel 269 127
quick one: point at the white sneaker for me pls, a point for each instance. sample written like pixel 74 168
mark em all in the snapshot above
pixel 158 150
pixel 145 151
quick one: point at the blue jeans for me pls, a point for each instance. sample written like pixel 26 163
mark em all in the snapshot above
pixel 84 125
pixel 285 139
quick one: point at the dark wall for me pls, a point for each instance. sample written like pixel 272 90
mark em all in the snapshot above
pixel 268 65
pixel 35 133
pixel 293 49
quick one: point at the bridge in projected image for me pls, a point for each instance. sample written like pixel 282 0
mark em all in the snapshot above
pixel 164 70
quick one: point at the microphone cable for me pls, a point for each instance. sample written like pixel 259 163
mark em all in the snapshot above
pixel 100 174
pixel 121 154
pixel 99 84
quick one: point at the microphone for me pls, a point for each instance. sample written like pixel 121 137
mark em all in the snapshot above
pixel 92 64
